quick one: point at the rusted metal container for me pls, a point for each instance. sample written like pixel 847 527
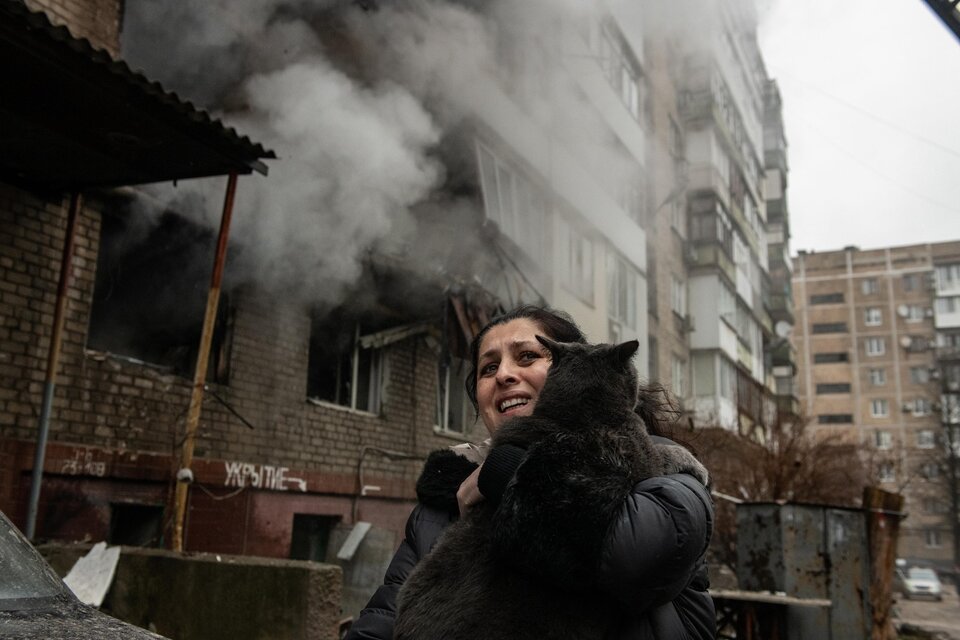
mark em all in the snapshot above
pixel 808 551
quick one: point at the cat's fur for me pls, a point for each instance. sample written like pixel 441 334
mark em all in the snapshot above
pixel 526 568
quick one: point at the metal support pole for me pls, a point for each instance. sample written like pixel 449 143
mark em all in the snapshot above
pixel 53 362
pixel 200 372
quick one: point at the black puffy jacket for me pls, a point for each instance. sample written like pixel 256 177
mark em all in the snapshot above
pixel 652 561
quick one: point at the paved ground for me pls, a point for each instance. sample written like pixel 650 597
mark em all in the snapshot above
pixel 931 615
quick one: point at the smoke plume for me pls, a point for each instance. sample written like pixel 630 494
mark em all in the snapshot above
pixel 355 102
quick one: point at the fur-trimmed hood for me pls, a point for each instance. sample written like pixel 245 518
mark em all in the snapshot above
pixel 443 473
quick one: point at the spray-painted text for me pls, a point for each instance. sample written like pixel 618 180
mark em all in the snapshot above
pixel 261 476
pixel 83 463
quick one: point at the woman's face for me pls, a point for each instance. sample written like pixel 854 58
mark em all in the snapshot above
pixel 511 368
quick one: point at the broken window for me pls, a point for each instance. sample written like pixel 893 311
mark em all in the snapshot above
pixel 150 294
pixel 454 409
pixel 515 203
pixel 311 536
pixel 342 370
pixel 136 525
pixel 621 295
pixel 575 260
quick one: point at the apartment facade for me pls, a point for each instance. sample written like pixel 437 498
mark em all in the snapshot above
pixel 648 224
pixel 315 420
pixel 873 336
pixel 781 354
pixel 720 297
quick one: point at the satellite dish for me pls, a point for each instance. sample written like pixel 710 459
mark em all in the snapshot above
pixel 906 341
pixel 783 328
pixel 903 311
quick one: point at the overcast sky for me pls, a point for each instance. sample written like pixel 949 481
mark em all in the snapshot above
pixel 871 96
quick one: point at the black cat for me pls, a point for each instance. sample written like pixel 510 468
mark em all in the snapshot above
pixel 525 568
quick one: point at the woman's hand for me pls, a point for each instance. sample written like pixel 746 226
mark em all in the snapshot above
pixel 469 493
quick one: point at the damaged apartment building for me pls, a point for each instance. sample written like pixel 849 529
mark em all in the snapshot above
pixel 579 159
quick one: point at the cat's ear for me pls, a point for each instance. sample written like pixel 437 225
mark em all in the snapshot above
pixel 555 348
pixel 624 351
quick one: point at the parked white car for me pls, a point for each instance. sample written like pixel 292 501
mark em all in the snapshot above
pixel 920 582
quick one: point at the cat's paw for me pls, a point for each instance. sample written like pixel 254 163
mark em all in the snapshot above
pixel 677 459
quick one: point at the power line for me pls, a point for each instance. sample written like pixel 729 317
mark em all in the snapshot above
pixel 891 180
pixel 873 116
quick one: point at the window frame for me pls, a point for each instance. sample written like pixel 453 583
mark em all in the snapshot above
pixel 622 70
pixel 622 279
pixel 826 328
pixel 926 439
pixel 887 473
pixel 518 207
pixel 874 352
pixel 576 254
pixel 678 296
pixel 450 370
pixel 678 376
pixel 834 297
pixel 374 375
pixel 831 357
pixel 832 388
pixel 880 408
pixel 915 313
pixel 922 406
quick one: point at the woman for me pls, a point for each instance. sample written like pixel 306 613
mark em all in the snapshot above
pixel 653 554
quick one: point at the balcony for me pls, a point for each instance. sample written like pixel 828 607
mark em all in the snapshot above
pixel 948 353
pixel 754 401
pixel 713 255
pixel 788 406
pixel 705 177
pixel 783 354
pixel 781 308
pixel 775 157
pixel 748 232
pixel 777 211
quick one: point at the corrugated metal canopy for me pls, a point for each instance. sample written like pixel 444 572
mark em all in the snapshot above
pixel 72 117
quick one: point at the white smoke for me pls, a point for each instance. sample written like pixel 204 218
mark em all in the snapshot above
pixel 353 157
pixel 355 119
pixel 353 160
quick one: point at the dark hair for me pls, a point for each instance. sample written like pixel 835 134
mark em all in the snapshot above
pixel 657 408
pixel 555 325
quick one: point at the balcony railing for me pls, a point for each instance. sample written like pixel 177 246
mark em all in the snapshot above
pixel 711 254
pixel 755 401
pixel 788 406
pixel 706 177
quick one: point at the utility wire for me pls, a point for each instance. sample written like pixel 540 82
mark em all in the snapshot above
pixel 893 181
pixel 875 117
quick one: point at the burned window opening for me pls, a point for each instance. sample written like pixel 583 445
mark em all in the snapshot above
pixel 455 412
pixel 137 525
pixel 150 294
pixel 461 320
pixel 340 370
pixel 311 536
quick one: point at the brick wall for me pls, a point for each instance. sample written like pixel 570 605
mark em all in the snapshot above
pixel 118 421
pixel 96 20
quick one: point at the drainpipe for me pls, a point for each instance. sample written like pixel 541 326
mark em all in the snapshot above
pixel 184 476
pixel 53 361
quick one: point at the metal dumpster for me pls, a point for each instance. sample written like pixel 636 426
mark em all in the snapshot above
pixel 809 551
